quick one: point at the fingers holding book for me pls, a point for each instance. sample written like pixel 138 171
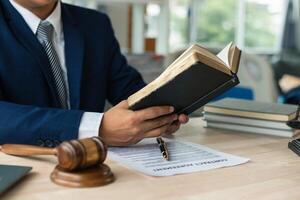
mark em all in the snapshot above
pixel 175 126
pixel 121 126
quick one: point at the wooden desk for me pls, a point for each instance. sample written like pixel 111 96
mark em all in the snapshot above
pixel 273 173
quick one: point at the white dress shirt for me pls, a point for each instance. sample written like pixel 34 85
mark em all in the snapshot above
pixel 90 121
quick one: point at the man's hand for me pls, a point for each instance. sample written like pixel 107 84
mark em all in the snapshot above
pixel 289 82
pixel 121 126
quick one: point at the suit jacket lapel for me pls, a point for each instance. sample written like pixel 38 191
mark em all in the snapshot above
pixel 25 36
pixel 74 54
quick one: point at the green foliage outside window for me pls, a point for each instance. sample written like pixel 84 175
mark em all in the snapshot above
pixel 216 21
pixel 259 32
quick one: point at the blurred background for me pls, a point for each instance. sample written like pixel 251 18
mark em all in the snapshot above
pixel 152 33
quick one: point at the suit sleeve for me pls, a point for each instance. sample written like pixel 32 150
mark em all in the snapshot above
pixel 1 95
pixel 22 124
pixel 124 80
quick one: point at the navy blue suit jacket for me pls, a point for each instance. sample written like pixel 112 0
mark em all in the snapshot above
pixel 29 105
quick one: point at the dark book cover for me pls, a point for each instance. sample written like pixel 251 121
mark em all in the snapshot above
pixel 189 90
pixel 10 174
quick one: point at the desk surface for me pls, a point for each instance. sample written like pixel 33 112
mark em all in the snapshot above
pixel 272 173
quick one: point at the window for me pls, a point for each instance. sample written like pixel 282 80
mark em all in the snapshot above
pixel 252 24
pixel 179 23
pixel 152 17
pixel 215 21
pixel 263 24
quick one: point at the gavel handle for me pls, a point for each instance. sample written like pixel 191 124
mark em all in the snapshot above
pixel 26 150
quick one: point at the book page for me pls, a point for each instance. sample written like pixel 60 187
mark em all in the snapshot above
pixel 185 157
pixel 200 50
pixel 224 55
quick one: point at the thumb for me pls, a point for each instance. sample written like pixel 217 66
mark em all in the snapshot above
pixel 123 104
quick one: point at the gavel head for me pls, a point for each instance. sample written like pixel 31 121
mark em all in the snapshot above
pixel 81 154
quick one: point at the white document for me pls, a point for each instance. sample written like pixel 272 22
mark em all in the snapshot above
pixel 185 157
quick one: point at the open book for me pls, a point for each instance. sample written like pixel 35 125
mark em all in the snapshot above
pixel 192 80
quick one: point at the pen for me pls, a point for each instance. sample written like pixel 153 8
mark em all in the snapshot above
pixel 163 148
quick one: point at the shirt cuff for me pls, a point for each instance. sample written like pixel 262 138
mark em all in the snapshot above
pixel 89 125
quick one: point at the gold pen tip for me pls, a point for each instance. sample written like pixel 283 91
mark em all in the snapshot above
pixel 166 157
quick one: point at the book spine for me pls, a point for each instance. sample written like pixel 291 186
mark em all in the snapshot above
pixel 246 121
pixel 216 92
pixel 249 129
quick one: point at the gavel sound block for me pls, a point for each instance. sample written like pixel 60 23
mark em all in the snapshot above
pixel 80 162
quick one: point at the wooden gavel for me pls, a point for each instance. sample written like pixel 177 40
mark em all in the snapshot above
pixel 72 155
pixel 80 162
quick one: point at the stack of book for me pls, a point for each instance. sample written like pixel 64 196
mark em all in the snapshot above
pixel 250 116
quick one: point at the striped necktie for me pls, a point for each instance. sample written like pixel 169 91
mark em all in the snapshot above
pixel 45 35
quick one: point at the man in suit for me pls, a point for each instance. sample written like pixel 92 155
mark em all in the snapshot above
pixel 58 65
